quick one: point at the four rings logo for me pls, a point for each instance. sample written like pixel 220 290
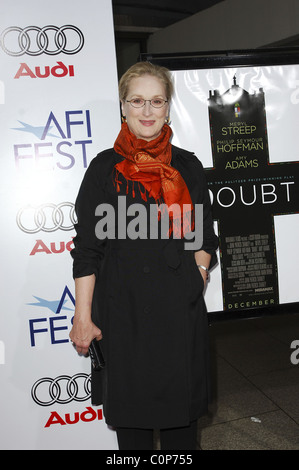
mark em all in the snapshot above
pixel 62 389
pixel 34 41
pixel 47 217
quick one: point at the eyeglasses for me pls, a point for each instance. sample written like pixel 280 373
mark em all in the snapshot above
pixel 139 102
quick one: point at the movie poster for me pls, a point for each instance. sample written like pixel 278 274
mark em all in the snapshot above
pixel 241 125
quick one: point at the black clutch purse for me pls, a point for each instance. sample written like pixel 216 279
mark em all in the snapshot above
pixel 96 355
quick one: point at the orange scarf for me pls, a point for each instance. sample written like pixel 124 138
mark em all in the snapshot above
pixel 148 163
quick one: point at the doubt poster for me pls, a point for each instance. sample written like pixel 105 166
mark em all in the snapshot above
pixel 241 124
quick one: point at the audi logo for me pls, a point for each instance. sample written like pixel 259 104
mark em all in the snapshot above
pixel 47 217
pixel 62 389
pixel 32 40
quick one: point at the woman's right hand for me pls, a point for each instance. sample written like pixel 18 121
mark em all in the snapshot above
pixel 82 334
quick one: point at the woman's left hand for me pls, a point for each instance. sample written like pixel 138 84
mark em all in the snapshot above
pixel 204 274
pixel 203 259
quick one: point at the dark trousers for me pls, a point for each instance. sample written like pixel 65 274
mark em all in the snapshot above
pixel 171 439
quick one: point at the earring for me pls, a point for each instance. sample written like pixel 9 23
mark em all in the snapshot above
pixel 167 120
pixel 123 119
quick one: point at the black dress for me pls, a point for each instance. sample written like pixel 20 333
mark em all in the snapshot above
pixel 148 303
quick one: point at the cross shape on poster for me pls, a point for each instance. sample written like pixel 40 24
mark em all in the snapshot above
pixel 247 191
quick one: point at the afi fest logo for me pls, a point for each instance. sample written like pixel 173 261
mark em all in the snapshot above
pixel 54 326
pixel 73 132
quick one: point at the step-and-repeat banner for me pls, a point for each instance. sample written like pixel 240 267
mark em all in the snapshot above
pixel 58 108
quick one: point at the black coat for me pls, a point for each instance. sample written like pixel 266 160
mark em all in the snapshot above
pixel 148 302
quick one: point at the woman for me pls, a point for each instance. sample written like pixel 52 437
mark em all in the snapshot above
pixel 142 295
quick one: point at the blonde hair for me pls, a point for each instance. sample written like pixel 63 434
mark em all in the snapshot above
pixel 145 68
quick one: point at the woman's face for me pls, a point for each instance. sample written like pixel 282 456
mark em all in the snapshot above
pixel 145 123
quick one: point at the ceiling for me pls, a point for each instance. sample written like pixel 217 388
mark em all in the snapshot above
pixel 148 16
pixel 135 21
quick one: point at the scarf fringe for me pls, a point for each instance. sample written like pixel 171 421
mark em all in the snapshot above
pixel 178 226
pixel 143 194
pixel 116 181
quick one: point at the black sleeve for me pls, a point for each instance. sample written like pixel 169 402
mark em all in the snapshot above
pixel 210 240
pixel 89 250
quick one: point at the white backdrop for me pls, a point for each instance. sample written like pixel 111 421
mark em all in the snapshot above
pixel 58 108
